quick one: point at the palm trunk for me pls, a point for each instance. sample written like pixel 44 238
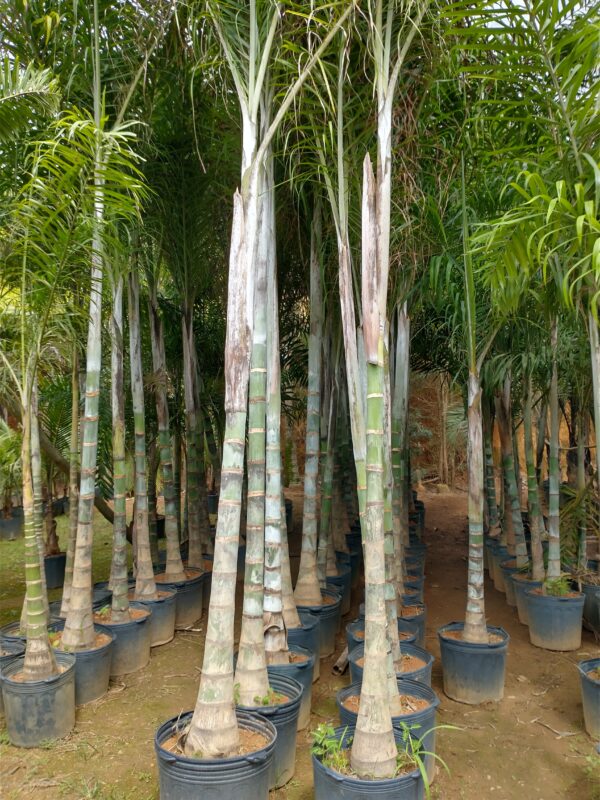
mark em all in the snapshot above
pixel 475 629
pixel 177 479
pixel 516 543
pixel 554 464
pixel 398 434
pixel 213 730
pixel 582 436
pixel 145 587
pixel 276 647
pixel 38 504
pixel 251 670
pixel 118 572
pixel 174 567
pixel 490 477
pixel 536 521
pixel 193 454
pixel 308 590
pixel 594 334
pixel 152 459
pixel 73 487
pixel 291 617
pixel 373 751
pixel 39 658
pixel 79 624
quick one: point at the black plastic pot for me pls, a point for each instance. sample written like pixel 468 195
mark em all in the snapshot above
pixel 509 568
pixel 92 667
pixel 354 541
pixel 284 717
pixel 352 558
pixel 591 606
pixel 9 649
pixel 555 622
pixel 422 674
pixel 212 499
pixel 341 583
pixel 54 567
pixel 39 711
pixel 131 646
pixel 416 565
pixel 12 631
pixel 358 625
pixel 521 585
pixel 500 554
pixel 301 671
pixel 330 617
pixel 101 595
pixel 421 722
pixel 473 673
pixel 240 777
pixel 332 785
pixel 162 621
pixel 590 696
pixel 416 614
pixel 308 636
pixel 189 601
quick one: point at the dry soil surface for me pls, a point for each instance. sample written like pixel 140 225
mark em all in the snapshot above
pixel 531 745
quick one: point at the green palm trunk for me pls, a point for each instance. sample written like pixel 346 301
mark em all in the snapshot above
pixel 373 749
pixel 193 454
pixel 554 464
pixel 326 564
pixel 490 479
pixel 594 334
pixel 308 590
pixel 73 487
pixel 291 617
pixel 39 658
pixel 399 427
pixel 38 503
pixel 145 587
pixel 515 533
pixel 251 670
pixel 119 583
pixel 536 521
pixel 174 567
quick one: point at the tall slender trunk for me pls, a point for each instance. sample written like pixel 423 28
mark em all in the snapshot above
pixel 251 671
pixel 174 567
pixel 73 487
pixel 540 446
pixel 554 463
pixel 145 587
pixel 475 627
pixel 79 623
pixel 276 647
pixel 443 459
pixel 594 334
pixel 326 563
pixel 291 617
pixel 193 450
pixel 119 584
pixel 213 730
pixel 177 479
pixel 152 460
pixel 399 429
pixel 39 658
pixel 582 437
pixel 308 590
pixel 490 477
pixel 38 503
pixel 516 545
pixel 536 521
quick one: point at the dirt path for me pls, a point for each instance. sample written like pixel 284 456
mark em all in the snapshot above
pixel 501 750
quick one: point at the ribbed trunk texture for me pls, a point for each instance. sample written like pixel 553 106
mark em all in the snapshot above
pixel 174 567
pixel 119 584
pixel 145 587
pixel 536 521
pixel 475 627
pixel 73 487
pixel 192 437
pixel 39 657
pixel 308 590
pixel 490 476
pixel 554 465
pixel 594 333
pixel 398 440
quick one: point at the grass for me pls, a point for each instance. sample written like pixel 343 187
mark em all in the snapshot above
pixel 12 571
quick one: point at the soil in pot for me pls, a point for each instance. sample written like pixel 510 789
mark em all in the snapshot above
pixel 92 665
pixel 408 704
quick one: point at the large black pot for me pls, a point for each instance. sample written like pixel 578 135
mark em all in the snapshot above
pixel 416 614
pixel 162 621
pixel 189 601
pixel 131 646
pixel 421 674
pixel 341 583
pixel 237 778
pixel 284 717
pixel 521 585
pixel 590 696
pixel 555 622
pixel 421 723
pixel 92 667
pixel 307 636
pixel 54 567
pixel 332 785
pixel 301 671
pixel 9 649
pixel 329 616
pixel 591 606
pixel 509 568
pixel 473 673
pixel 42 710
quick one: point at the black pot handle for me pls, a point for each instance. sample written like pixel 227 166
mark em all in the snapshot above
pixel 259 758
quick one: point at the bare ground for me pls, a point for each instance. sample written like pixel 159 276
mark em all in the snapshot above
pixel 531 745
